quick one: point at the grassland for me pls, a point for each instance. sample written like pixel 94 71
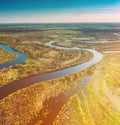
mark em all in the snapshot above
pixel 22 106
pixel 6 56
pixel 98 103
pixel 40 58
pixel 63 101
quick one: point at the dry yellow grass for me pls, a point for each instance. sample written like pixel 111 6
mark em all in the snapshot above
pixel 97 103
pixel 22 106
pixel 6 56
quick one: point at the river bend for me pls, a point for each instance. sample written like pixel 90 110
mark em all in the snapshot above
pixel 7 89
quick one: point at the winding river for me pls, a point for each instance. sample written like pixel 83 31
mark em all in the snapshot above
pixel 22 83
pixel 20 57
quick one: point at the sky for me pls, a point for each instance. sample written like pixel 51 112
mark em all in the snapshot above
pixel 49 11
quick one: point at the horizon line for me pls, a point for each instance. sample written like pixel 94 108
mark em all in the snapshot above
pixel 50 22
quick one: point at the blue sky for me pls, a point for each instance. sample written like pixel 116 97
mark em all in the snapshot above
pixel 59 11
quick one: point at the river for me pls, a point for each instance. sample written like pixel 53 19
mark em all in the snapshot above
pixel 22 83
pixel 20 57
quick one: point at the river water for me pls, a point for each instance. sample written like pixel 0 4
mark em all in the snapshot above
pixel 22 83
pixel 20 57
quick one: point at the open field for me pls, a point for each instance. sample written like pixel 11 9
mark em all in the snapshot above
pixel 98 103
pixel 6 56
pixel 31 99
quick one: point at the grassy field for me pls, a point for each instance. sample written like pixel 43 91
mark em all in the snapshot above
pixel 98 103
pixel 6 56
pixel 66 100
pixel 24 105
pixel 40 58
